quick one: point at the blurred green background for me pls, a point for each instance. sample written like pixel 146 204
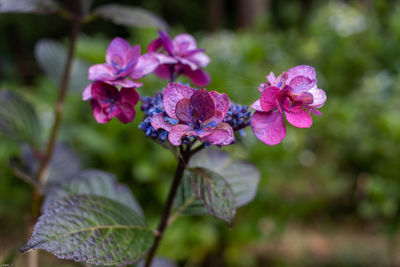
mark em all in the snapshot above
pixel 329 195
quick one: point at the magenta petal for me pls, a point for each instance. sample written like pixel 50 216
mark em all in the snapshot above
pixel 157 121
pixel 268 127
pixel 163 71
pixel 184 111
pixel 199 77
pixel 130 60
pixel 200 59
pixel 305 98
pixel 177 132
pixel 173 94
pixel 222 135
pixel 103 93
pixel 127 113
pixel 154 45
pixel 301 83
pixel 202 104
pixel 221 102
pixel 301 70
pixel 269 98
pixel 87 93
pixel 126 82
pixel 129 96
pixel 185 42
pixel 101 72
pixel 167 42
pixel 116 51
pixel 98 112
pixel 315 111
pixel 257 106
pixel 298 118
pixel 164 59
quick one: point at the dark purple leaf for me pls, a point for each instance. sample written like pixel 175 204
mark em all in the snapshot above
pixel 93 230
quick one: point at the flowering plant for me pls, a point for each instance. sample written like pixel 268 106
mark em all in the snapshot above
pixel 87 216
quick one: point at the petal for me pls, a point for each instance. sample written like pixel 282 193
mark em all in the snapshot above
pixel 202 104
pixel 164 59
pixel 184 111
pixel 319 97
pixel 87 93
pixel 268 127
pixel 301 83
pixel 185 61
pixel 163 71
pixel 104 93
pixel 116 51
pixel 173 94
pixel 157 121
pixel 185 42
pixel 221 102
pixel 127 113
pixel 126 82
pixel 298 117
pixel 269 98
pixel 130 60
pixel 147 63
pixel 154 45
pixel 222 135
pixel 177 132
pixel 198 77
pixel 301 70
pixel 129 96
pixel 200 59
pixel 271 77
pixel 101 72
pixel 257 105
pixel 98 112
pixel 304 98
pixel 167 42
pixel 262 87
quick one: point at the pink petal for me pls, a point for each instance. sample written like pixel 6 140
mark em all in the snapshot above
pixel 164 59
pixel 271 78
pixel 184 111
pixel 301 70
pixel 126 82
pixel 221 102
pixel 127 113
pixel 184 42
pixel 200 59
pixel 319 97
pixel 222 135
pixel 173 94
pixel 116 51
pixel 154 45
pixel 262 87
pixel 129 96
pixel 157 121
pixel 301 83
pixel 298 118
pixel 147 63
pixel 198 77
pixel 103 93
pixel 315 112
pixel 268 127
pixel 177 132
pixel 130 60
pixel 304 98
pixel 185 61
pixel 202 104
pixel 87 93
pixel 257 105
pixel 101 72
pixel 269 98
pixel 98 112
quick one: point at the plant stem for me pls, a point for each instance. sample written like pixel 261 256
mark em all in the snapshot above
pixel 42 173
pixel 183 160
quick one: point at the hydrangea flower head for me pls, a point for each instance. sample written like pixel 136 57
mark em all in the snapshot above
pixel 180 56
pixel 124 64
pixel 293 94
pixel 196 113
pixel 108 102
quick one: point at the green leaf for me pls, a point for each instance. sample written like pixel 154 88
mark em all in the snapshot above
pixel 92 229
pixel 242 176
pixel 28 6
pixel 51 56
pixel 92 182
pixel 130 16
pixel 214 192
pixel 18 119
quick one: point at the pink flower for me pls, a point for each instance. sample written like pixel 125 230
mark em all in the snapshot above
pixel 294 94
pixel 124 65
pixel 180 56
pixel 107 102
pixel 199 112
